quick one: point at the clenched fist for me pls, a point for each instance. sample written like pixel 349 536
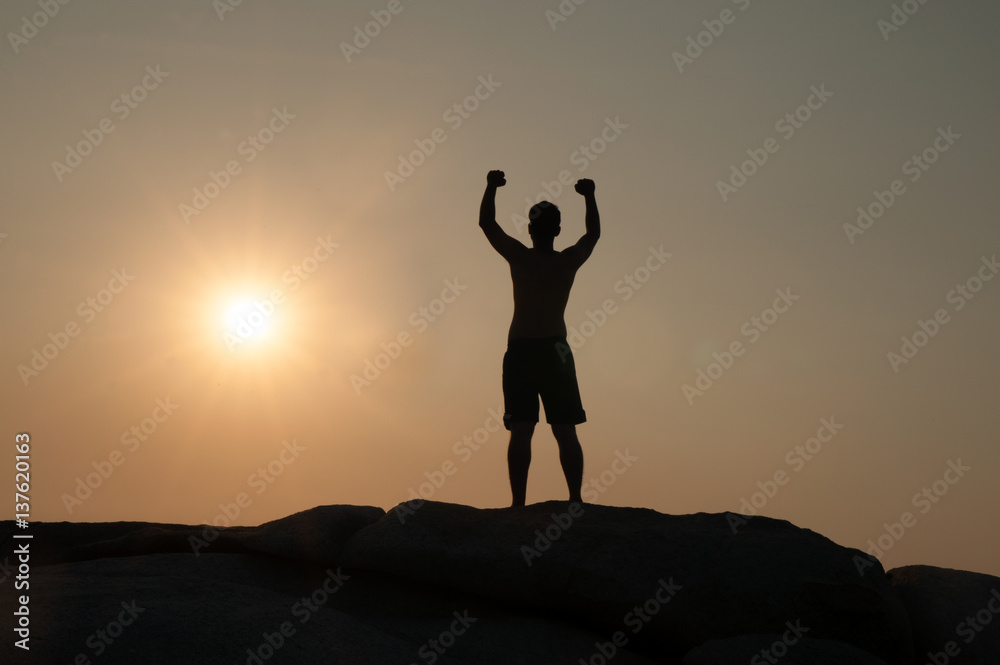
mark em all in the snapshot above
pixel 496 178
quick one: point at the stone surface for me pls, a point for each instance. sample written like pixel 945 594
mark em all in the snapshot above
pixel 954 613
pixel 317 534
pixel 213 608
pixel 778 649
pixel 611 567
pixel 550 583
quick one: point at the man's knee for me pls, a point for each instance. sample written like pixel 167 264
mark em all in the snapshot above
pixel 521 428
pixel 564 433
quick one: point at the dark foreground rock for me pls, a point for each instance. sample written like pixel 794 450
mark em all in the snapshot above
pixel 666 583
pixel 955 614
pixel 446 584
pixel 778 649
pixel 238 608
pixel 317 534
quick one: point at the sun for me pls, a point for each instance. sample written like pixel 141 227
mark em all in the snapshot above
pixel 249 318
pixel 249 322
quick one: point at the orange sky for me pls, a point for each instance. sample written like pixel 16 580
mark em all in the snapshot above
pixel 168 165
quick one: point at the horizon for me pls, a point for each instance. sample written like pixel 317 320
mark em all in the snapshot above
pixel 240 255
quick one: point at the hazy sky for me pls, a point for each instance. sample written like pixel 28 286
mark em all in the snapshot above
pixel 165 162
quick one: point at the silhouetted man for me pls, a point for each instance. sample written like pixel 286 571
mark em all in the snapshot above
pixel 538 361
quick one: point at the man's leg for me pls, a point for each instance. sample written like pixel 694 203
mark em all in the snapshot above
pixel 519 459
pixel 571 458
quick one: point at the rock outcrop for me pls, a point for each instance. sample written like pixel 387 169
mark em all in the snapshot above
pixel 439 583
pixel 955 614
pixel 778 649
pixel 666 583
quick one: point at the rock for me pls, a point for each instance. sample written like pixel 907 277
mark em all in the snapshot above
pixel 954 613
pixel 80 541
pixel 550 583
pixel 317 534
pixel 778 649
pixel 663 584
pixel 243 608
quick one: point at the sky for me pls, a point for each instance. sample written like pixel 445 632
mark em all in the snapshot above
pixel 242 275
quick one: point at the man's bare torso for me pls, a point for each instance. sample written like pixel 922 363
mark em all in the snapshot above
pixel 542 282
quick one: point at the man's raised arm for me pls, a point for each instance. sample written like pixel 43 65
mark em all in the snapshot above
pixel 501 242
pixel 585 245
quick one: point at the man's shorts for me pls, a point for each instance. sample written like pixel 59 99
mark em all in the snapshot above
pixel 541 367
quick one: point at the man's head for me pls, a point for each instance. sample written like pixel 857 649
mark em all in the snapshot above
pixel 544 221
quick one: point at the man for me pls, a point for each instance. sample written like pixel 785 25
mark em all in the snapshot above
pixel 538 361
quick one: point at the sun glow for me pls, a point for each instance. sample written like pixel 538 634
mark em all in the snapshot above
pixel 249 320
